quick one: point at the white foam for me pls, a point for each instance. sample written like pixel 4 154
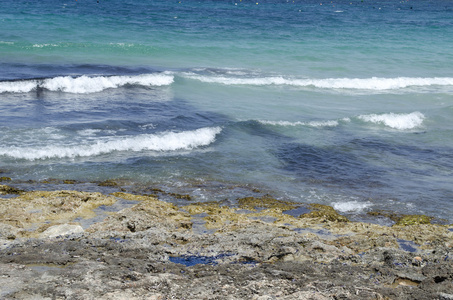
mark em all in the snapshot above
pixel 374 83
pixel 396 121
pixel 88 132
pixel 329 123
pixel 44 45
pixel 122 44
pixel 84 84
pixel 18 86
pixel 350 206
pixel 168 141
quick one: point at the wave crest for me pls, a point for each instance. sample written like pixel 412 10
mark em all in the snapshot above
pixel 393 120
pixel 328 123
pixel 396 121
pixel 84 84
pixel 373 83
pixel 169 141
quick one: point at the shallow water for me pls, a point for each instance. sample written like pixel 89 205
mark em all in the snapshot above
pixel 344 103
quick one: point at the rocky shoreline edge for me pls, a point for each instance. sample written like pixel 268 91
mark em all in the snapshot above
pixel 68 244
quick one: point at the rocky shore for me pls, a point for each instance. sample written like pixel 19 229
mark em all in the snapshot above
pixel 68 244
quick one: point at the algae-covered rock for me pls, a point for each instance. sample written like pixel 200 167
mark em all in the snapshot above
pixel 32 210
pixel 149 212
pixel 4 178
pixel 180 196
pixel 325 213
pixel 252 203
pixel 217 216
pixel 5 189
pixel 110 183
pixel 402 219
pixel 413 220
pixel 69 181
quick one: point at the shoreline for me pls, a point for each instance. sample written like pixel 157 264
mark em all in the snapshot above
pixel 73 245
pixel 226 193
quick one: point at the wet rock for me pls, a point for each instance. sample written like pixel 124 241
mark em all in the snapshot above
pixel 150 212
pixel 413 220
pixel 252 203
pixel 325 213
pixel 69 181
pixel 4 190
pixel 402 219
pixel 35 211
pixel 110 183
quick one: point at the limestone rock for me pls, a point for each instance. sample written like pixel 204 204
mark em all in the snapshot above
pixel 61 230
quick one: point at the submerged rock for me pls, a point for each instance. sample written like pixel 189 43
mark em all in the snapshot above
pixel 413 220
pixel 4 190
pixel 402 219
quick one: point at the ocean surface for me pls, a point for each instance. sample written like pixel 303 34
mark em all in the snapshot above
pixel 346 103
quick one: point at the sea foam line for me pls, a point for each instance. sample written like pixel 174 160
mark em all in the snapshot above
pixel 168 141
pixel 396 121
pixel 328 123
pixel 373 83
pixel 84 84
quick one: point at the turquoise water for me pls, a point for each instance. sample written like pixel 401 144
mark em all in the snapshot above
pixel 347 103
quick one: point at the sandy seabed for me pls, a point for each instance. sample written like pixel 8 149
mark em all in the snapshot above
pixel 68 244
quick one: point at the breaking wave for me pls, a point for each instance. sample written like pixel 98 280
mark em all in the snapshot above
pixel 329 123
pixel 169 141
pixel 392 120
pixel 396 121
pixel 84 84
pixel 351 206
pixel 373 83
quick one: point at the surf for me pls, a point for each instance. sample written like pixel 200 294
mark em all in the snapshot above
pixel 84 84
pixel 160 142
pixel 373 83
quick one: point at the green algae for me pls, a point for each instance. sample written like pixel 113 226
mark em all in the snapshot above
pixel 5 190
pixel 147 213
pixel 325 213
pixel 51 181
pixel 4 178
pixel 174 195
pixel 413 220
pixel 252 203
pixel 180 196
pixel 109 183
pixel 69 181
pixel 217 216
pixel 35 211
pixel 402 219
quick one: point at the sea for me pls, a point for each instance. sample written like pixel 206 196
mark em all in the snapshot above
pixel 347 103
